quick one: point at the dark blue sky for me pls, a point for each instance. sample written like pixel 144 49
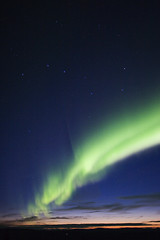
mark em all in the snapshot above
pixel 67 66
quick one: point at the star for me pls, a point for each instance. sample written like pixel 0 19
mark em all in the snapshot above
pixel 47 65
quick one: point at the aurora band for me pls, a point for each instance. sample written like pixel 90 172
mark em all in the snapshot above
pixel 108 144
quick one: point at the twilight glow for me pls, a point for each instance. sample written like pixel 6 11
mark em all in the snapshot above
pixel 131 133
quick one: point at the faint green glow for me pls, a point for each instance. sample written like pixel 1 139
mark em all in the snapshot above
pixel 108 144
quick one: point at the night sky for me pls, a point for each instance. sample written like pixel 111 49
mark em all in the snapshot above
pixel 80 112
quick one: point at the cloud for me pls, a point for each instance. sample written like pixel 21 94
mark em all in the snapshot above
pixel 116 207
pixel 69 217
pixel 86 207
pixel 148 197
pixel 145 200
pixel 28 219
pixel 10 215
pixel 59 218
pixel 155 221
pixel 20 221
pixel 125 207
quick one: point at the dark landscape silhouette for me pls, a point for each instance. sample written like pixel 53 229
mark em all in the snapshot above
pixel 85 234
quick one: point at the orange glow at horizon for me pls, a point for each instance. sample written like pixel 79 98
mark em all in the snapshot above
pixel 71 226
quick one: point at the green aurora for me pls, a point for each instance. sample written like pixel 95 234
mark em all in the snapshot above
pixel 107 144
